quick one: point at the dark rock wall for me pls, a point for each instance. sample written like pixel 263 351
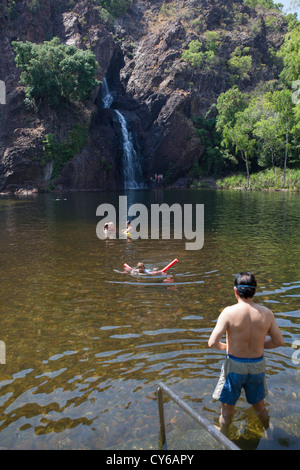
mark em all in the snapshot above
pixel 141 56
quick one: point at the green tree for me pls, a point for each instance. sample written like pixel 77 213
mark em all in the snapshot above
pixel 240 136
pixel 237 115
pixel 211 139
pixel 55 73
pixel 290 54
pixel 281 102
pixel 212 40
pixel 269 130
pixel 296 130
pixel 267 4
pixel 115 7
pixel 228 104
pixel 193 54
pixel 240 62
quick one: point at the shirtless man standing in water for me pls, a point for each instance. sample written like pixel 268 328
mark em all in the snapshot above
pixel 247 326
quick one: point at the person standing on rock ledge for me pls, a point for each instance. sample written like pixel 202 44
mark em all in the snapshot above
pixel 246 325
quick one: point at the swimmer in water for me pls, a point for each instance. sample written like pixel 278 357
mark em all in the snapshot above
pixel 141 269
pixel 109 230
pixel 128 229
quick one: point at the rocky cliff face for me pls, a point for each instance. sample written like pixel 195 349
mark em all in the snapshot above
pixel 156 90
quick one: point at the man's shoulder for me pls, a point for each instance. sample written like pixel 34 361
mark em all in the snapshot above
pixel 230 309
pixel 263 309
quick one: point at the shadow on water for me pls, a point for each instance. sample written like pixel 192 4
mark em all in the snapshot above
pixel 86 345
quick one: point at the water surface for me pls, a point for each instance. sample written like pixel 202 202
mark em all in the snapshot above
pixel 86 345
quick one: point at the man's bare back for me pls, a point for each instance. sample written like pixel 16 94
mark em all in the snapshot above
pixel 246 325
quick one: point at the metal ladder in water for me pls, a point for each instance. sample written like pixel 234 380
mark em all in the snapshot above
pixel 221 438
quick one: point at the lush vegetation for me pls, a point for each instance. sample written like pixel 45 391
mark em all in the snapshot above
pixel 114 7
pixel 266 179
pixel 263 3
pixel 60 153
pixel 211 139
pixel 244 131
pixel 199 54
pixel 250 131
pixel 55 73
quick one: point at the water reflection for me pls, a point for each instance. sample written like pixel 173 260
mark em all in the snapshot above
pixel 86 344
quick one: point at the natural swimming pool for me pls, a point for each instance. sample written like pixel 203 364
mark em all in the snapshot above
pixel 86 345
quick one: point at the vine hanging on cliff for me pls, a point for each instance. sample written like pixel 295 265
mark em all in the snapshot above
pixel 60 153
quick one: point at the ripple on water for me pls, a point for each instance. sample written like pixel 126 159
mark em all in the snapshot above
pixel 87 345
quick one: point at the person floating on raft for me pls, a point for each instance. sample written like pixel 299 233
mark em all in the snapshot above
pixel 141 269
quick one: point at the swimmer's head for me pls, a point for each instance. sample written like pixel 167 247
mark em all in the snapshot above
pixel 106 227
pixel 140 267
pixel 245 285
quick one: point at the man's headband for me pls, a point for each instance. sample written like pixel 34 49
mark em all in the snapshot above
pixel 242 285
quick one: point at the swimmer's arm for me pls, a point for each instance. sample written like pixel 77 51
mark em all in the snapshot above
pixel 274 339
pixel 217 333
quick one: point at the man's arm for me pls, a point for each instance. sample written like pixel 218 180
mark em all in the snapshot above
pixel 275 337
pixel 218 332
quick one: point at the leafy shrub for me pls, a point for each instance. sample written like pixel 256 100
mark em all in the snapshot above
pixel 267 179
pixel 212 40
pixel 211 139
pixel 115 7
pixel 193 54
pixel 290 53
pixel 11 9
pixel 55 73
pixel 240 62
pixel 267 4
pixel 272 23
pixel 60 153
pixel 34 5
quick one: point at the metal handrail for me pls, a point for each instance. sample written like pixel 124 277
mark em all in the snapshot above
pixel 220 437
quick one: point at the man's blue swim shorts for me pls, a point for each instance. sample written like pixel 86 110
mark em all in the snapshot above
pixel 238 373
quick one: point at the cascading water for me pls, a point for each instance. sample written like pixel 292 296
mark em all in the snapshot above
pixel 133 176
pixel 107 98
pixel 132 168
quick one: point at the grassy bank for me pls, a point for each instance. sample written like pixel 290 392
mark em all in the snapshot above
pixel 264 180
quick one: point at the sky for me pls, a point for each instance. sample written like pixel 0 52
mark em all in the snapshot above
pixel 290 6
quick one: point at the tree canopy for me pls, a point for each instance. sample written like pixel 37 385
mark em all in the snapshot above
pixel 260 128
pixel 55 73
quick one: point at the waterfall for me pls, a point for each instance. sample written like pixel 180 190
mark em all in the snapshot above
pixel 133 176
pixel 107 97
pixel 132 168
pixel 48 170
